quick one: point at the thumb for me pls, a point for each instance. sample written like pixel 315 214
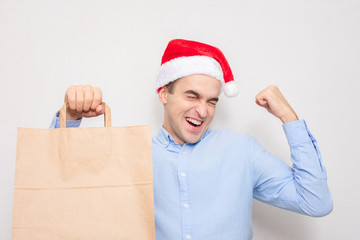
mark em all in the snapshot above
pixel 263 103
pixel 100 109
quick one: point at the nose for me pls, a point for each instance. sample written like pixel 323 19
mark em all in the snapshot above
pixel 201 109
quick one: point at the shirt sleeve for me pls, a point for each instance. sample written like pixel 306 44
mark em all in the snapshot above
pixel 55 123
pixel 301 188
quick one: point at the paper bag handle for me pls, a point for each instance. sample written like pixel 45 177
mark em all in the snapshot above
pixel 107 115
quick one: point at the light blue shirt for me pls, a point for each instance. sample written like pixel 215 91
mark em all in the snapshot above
pixel 204 191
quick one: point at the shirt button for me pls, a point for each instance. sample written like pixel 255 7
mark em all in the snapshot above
pixel 188 237
pixel 186 205
pixel 183 174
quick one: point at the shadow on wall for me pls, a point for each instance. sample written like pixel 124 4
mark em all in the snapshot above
pixel 272 223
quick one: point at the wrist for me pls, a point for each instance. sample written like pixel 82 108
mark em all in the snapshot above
pixel 289 118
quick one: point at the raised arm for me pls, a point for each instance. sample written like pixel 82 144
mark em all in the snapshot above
pixel 303 187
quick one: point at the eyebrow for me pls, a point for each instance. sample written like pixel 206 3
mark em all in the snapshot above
pixel 198 95
pixel 193 92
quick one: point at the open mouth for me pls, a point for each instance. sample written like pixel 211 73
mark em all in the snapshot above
pixel 194 122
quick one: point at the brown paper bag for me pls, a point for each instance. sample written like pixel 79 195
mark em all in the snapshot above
pixel 84 183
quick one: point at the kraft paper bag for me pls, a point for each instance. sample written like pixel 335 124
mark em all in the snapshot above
pixel 84 183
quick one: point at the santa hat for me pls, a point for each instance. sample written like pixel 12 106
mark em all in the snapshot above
pixel 183 58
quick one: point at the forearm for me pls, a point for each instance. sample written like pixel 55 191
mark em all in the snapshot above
pixel 302 188
pixel 310 180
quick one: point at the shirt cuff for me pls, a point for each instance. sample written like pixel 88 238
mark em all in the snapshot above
pixel 69 123
pixel 297 132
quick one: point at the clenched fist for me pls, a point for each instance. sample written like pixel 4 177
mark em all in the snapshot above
pixel 272 99
pixel 83 101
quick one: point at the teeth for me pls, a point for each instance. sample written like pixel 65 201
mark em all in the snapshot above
pixel 193 121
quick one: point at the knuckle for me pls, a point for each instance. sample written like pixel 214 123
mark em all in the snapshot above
pixel 88 87
pixel 72 107
pixel 88 97
pixel 71 99
pixel 273 87
pixel 97 90
pixel 69 91
pixel 98 98
pixel 88 100
pixel 259 95
pixel 79 88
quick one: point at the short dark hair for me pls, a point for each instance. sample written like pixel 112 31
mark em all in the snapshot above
pixel 170 87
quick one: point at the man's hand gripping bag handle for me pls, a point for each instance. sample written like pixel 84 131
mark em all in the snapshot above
pixel 107 115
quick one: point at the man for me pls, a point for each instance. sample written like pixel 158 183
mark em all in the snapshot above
pixel 204 181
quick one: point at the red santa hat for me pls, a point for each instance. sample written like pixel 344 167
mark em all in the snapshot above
pixel 183 58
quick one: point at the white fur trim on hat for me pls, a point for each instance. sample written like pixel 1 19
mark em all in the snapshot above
pixel 231 89
pixel 186 66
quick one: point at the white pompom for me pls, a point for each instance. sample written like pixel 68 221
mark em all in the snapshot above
pixel 231 89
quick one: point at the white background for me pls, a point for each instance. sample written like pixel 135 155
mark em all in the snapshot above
pixel 309 48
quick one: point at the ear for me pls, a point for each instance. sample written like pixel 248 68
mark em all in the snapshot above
pixel 163 94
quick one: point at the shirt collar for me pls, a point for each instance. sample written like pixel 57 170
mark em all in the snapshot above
pixel 165 138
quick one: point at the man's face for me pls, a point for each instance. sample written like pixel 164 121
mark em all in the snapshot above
pixel 190 108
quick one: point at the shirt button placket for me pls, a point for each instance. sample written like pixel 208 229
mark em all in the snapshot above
pixel 185 194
